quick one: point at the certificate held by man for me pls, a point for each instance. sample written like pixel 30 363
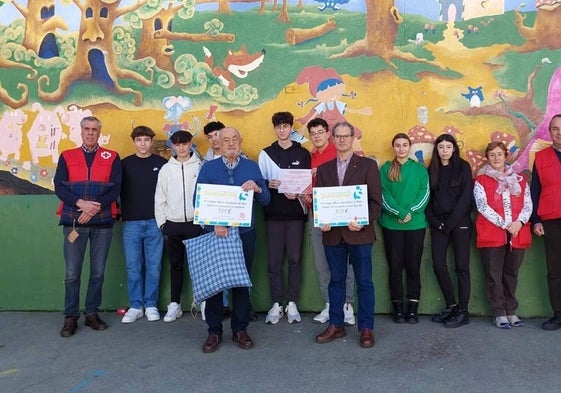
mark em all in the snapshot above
pixel 338 206
pixel 223 205
pixel 295 181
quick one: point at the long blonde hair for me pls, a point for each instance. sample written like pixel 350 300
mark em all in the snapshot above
pixel 394 174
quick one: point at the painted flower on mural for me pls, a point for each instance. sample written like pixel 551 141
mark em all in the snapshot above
pixel 499 94
pixel 14 170
pixel 44 172
pixel 33 178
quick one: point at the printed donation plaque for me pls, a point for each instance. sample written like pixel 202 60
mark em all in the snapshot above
pixel 223 205
pixel 337 206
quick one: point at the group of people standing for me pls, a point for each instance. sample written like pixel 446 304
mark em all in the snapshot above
pixel 156 207
pixel 507 207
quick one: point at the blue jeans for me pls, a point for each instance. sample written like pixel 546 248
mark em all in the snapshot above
pixel 100 241
pixel 323 268
pixel 360 257
pixel 143 243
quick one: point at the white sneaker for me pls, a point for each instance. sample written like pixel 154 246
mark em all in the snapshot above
pixel 274 315
pixel 349 314
pixel 132 315
pixel 203 307
pixel 152 314
pixel 323 316
pixel 292 313
pixel 174 312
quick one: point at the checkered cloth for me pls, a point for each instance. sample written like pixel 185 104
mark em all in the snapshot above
pixel 216 263
pixel 88 191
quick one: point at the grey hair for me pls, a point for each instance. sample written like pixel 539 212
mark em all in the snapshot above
pixel 90 118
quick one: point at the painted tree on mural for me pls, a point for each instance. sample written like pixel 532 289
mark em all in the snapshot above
pixel 224 7
pixel 521 110
pixel 382 22
pixel 4 95
pixel 156 24
pixel 40 26
pixel 283 13
pixel 546 32
pixel 95 58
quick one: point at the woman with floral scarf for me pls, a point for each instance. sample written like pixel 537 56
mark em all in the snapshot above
pixel 504 207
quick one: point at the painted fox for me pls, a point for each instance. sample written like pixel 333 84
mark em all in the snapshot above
pixel 238 63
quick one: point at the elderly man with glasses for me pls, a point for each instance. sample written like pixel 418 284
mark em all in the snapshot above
pixel 233 169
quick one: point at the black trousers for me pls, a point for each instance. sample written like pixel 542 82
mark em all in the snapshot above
pixel 501 275
pixel 404 249
pixel 552 240
pixel 174 234
pixel 285 236
pixel 240 296
pixel 460 239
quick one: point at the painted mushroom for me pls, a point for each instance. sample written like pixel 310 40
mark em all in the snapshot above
pixel 476 161
pixel 422 143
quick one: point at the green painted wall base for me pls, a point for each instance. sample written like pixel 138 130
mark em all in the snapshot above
pixel 32 269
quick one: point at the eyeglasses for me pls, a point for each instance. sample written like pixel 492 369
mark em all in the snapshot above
pixel 317 133
pixel 346 136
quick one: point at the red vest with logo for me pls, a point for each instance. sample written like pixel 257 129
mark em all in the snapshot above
pixel 490 235
pixel 549 171
pixel 100 169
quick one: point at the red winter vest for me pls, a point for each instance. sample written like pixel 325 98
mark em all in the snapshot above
pixel 490 235
pixel 100 169
pixel 549 171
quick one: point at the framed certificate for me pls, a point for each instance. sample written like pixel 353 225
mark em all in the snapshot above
pixel 223 205
pixel 295 181
pixel 337 206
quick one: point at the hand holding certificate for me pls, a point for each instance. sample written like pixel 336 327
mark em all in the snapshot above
pixel 295 181
pixel 338 206
pixel 223 205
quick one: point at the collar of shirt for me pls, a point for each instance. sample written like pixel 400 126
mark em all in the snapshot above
pixel 230 165
pixel 90 151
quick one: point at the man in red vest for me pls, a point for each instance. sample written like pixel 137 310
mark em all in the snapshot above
pixel 88 183
pixel 546 218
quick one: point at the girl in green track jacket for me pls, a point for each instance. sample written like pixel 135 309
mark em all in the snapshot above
pixel 405 194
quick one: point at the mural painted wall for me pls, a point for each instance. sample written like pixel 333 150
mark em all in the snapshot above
pixel 481 70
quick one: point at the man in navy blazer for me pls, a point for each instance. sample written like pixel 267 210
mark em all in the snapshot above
pixel 352 243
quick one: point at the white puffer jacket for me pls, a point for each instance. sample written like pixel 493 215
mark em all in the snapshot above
pixel 174 192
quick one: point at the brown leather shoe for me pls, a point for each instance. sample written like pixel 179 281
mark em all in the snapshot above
pixel 331 333
pixel 212 343
pixel 242 339
pixel 69 327
pixel 366 338
pixel 95 322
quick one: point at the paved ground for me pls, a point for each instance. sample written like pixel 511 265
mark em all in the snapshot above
pixel 161 357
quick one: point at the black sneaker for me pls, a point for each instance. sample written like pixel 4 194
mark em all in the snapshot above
pixel 459 318
pixel 442 316
pixel 552 324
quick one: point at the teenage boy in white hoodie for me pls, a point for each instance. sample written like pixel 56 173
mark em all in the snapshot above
pixel 174 211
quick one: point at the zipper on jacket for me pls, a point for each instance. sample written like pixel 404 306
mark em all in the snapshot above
pixel 184 199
